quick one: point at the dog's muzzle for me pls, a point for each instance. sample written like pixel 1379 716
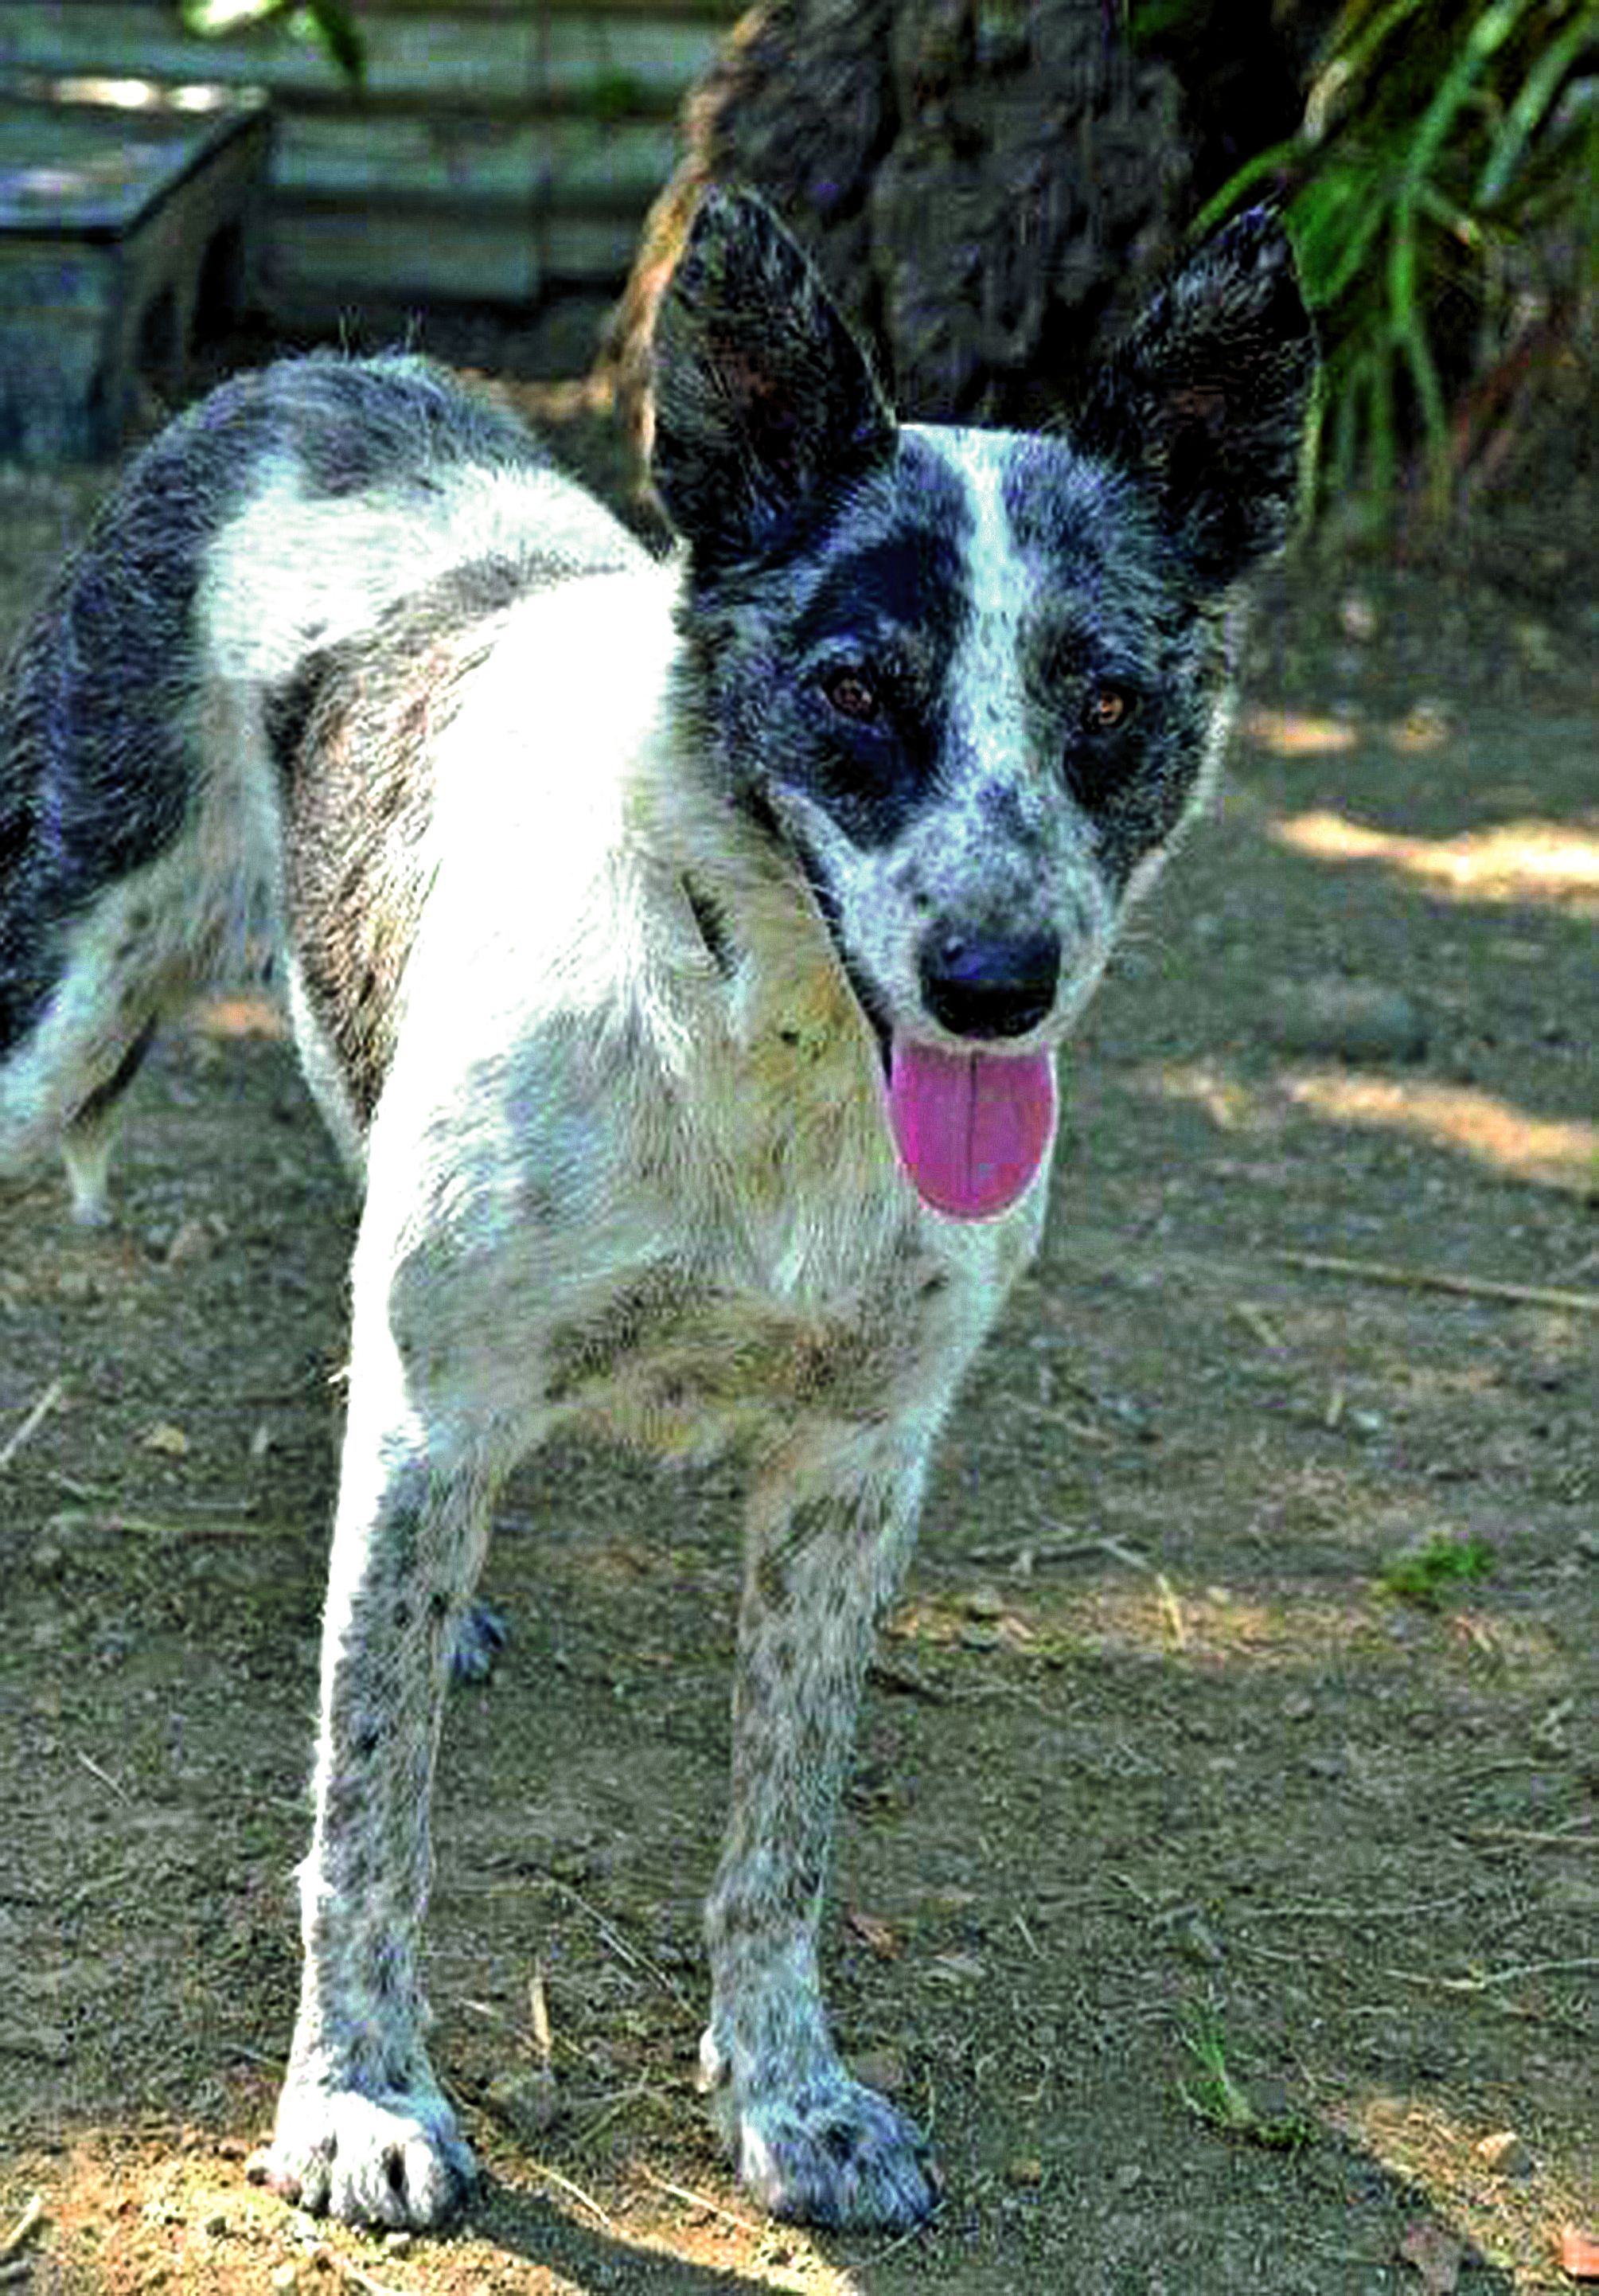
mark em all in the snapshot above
pixel 989 986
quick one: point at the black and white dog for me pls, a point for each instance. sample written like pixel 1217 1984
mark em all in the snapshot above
pixel 679 953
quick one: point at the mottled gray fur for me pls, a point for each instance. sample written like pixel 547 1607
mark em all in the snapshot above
pixel 608 892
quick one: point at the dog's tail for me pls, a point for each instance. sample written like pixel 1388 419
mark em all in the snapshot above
pixel 138 807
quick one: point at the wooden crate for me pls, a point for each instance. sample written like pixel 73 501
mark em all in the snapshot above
pixel 118 219
pixel 497 149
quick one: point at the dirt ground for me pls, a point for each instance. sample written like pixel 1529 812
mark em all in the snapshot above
pixel 1218 1881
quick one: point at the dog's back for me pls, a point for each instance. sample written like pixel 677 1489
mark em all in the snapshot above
pixel 155 714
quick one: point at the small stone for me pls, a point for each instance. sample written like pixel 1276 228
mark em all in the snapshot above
pixel 1345 1020
pixel 399 2243
pixel 527 2100
pixel 215 2224
pixel 985 1602
pixel 1503 2153
pixel 1024 2170
pixel 286 2275
pixel 1357 617
pixel 884 2069
pixel 1199 1943
pixel 193 1239
pixel 1425 725
pixel 1128 2176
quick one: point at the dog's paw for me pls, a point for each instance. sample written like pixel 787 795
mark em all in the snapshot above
pixel 834 2153
pixel 481 1634
pixel 396 2161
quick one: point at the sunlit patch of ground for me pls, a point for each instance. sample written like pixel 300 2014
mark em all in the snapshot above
pixel 1546 1152
pixel 1549 862
pixel 1436 2150
pixel 1493 1132
pixel 243 1013
pixel 123 2211
pixel 1296 732
pixel 1142 1612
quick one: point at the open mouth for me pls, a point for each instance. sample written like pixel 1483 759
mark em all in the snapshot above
pixel 970 1126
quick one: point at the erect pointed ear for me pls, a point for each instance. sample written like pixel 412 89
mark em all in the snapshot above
pixel 765 404
pixel 1208 399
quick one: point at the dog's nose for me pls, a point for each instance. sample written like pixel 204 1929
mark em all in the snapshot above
pixel 990 984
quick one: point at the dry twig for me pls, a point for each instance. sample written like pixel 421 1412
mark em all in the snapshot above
pixel 1514 1974
pixel 38 1412
pixel 104 1776
pixel 1437 1279
pixel 26 2225
pixel 700 2201
pixel 1031 1552
pixel 573 2192
pixel 347 2269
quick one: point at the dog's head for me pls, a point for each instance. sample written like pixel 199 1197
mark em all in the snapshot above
pixel 971 682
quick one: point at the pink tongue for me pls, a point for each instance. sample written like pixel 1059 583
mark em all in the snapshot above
pixel 970 1127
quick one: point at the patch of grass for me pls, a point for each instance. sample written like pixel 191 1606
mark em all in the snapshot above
pixel 1429 1573
pixel 1217 2097
pixel 1448 152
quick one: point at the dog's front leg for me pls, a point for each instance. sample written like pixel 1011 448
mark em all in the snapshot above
pixel 828 1540
pixel 363 2130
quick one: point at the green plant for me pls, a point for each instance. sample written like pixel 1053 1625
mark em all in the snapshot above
pixel 329 23
pixel 1428 1573
pixel 1219 2099
pixel 1444 148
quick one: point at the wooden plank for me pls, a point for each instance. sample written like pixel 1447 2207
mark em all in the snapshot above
pixel 346 156
pixel 93 170
pixel 425 60
pixel 721 15
pixel 342 257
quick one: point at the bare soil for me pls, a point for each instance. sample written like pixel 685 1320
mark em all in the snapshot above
pixel 1157 1762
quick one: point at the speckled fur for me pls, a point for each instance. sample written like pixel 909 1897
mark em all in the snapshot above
pixel 598 910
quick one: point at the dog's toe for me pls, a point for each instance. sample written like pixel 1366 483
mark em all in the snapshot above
pixel 839 2156
pixel 396 2161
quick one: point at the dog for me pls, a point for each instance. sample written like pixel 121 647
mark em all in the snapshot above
pixel 679 950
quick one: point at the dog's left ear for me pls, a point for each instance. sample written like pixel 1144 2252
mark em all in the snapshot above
pixel 765 404
pixel 1208 399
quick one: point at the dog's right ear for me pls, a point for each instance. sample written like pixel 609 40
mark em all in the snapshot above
pixel 765 404
pixel 1207 400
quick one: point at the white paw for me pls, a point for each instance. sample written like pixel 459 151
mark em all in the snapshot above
pixel 822 2149
pixel 398 2160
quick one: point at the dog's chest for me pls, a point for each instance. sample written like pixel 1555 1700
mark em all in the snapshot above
pixel 683 1368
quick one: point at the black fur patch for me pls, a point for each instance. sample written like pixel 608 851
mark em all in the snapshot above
pixel 98 779
pixel 883 588
pixel 766 407
pixel 106 1095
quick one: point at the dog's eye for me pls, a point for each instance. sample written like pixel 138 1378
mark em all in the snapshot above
pixel 1108 709
pixel 851 692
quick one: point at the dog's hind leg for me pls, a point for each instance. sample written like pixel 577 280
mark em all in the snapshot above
pixel 92 1129
pixel 362 2129
pixel 829 1538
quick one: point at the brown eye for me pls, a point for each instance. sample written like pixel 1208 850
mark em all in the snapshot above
pixel 852 695
pixel 1108 707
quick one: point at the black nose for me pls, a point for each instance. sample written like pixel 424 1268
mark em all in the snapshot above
pixel 990 984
